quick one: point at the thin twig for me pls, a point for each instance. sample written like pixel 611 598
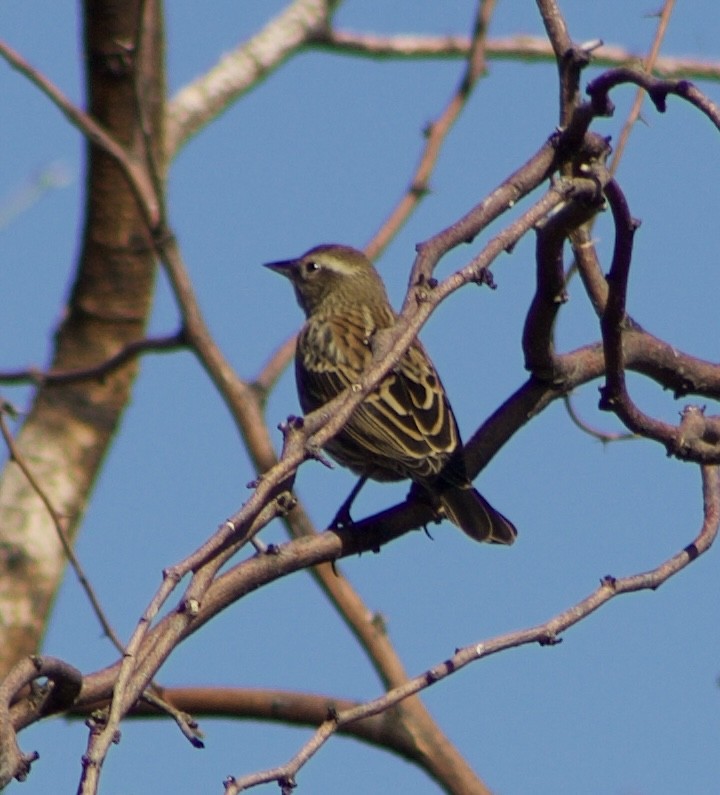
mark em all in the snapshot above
pixel 136 174
pixel 648 65
pixel 275 365
pixel 171 342
pixel 436 134
pixel 59 522
pixel 606 437
pixel 185 722
pixel 53 176
pixel 521 48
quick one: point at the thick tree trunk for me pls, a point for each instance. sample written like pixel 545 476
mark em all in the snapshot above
pixel 70 427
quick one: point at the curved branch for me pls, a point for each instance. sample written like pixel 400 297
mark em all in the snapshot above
pixel 698 437
pixel 604 437
pixel 545 634
pixel 538 339
pixel 658 90
pixel 63 685
pixel 275 706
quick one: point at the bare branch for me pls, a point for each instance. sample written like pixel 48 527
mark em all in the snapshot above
pixel 436 133
pixel 658 91
pixel 171 342
pixel 283 706
pixel 698 437
pixel 538 336
pixel 605 437
pixel 134 171
pixel 648 65
pixel 241 70
pixel 528 49
pixel 57 695
pixel 545 634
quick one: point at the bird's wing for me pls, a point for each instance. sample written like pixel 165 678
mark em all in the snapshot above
pixel 406 423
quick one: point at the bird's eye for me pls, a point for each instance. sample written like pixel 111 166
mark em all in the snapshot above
pixel 311 267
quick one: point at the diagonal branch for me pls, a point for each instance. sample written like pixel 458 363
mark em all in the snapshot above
pixel 545 634
pixel 648 65
pixel 59 522
pixel 135 172
pixel 199 103
pixel 436 133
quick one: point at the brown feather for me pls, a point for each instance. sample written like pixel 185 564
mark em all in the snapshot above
pixel 405 428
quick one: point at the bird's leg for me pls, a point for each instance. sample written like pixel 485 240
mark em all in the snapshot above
pixel 342 517
pixel 430 498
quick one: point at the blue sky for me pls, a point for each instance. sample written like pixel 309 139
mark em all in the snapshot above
pixel 628 704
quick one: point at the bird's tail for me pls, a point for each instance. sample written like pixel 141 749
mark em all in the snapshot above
pixel 473 514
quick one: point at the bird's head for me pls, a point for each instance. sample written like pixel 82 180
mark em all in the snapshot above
pixel 330 275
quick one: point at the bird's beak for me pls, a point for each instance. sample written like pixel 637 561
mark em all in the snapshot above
pixel 285 267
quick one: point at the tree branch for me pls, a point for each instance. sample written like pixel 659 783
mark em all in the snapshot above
pixel 171 342
pixel 241 70
pixel 698 437
pixel 528 49
pixel 545 634
pixel 436 133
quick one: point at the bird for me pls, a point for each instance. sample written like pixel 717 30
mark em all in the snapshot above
pixel 403 429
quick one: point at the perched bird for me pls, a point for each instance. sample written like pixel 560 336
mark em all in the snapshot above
pixel 405 428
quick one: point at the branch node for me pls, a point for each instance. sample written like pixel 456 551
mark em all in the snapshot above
pixel 421 295
pixel 314 452
pixel 419 190
pixel 286 501
pixel 578 55
pixel 430 282
pixel 608 401
pixel 189 607
pixel 287 784
pixel 431 676
pixel 658 96
pixel 485 277
pixel 24 764
pixel 292 423
pixel 172 573
pixel 590 46
pixel 549 639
